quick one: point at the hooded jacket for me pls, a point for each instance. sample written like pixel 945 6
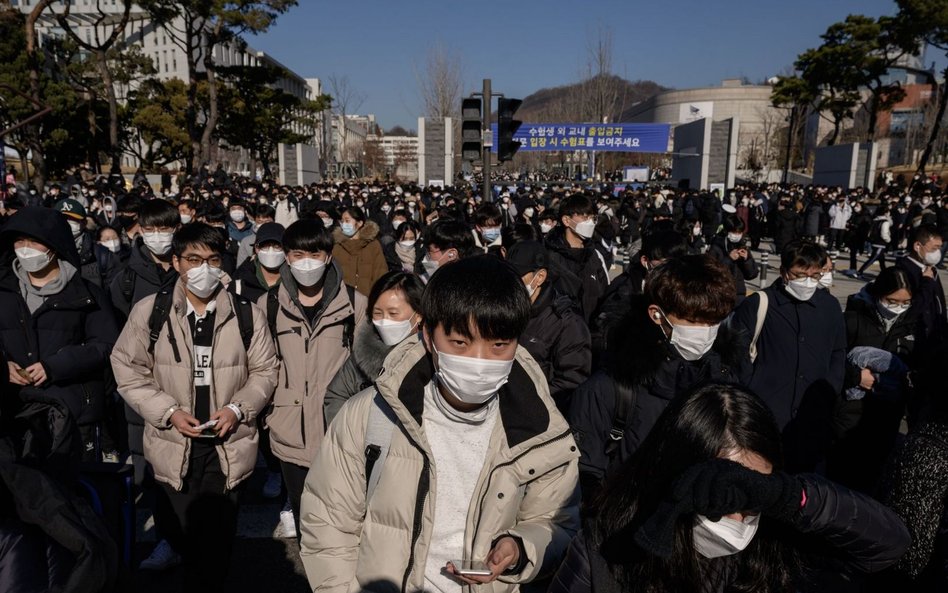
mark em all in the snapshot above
pixel 360 257
pixel 527 487
pixel 147 278
pixel 581 271
pixel 311 354
pixel 642 360
pixel 155 385
pixel 741 270
pixel 864 327
pixel 71 333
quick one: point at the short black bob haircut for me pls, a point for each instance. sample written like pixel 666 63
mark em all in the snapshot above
pixel 804 254
pixel 158 213
pixel 482 292
pixel 307 234
pixel 410 285
pixel 197 234
pixel 450 234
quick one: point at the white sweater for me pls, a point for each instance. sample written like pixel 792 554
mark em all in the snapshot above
pixel 459 443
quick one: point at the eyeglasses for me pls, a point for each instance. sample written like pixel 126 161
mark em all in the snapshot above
pixel 215 261
pixel 800 275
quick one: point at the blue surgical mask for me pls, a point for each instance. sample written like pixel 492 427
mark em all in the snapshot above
pixel 491 234
pixel 348 229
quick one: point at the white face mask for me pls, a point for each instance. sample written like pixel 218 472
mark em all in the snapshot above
pixel 271 258
pixel 472 380
pixel 932 258
pixel 803 288
pixel 114 245
pixel 826 280
pixel 546 228
pixel 406 244
pixel 185 219
pixel 238 215
pixel 158 243
pixel 75 227
pixel 890 311
pixel 735 237
pixel 396 224
pixel 692 341
pixel 308 271
pixel 32 260
pixel 393 332
pixel 327 222
pixel 585 229
pixel 714 539
pixel 203 280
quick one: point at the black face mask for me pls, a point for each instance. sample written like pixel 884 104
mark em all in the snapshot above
pixel 126 221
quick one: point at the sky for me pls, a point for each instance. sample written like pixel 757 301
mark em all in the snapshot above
pixel 526 45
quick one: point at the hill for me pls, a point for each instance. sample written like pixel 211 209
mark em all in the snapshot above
pixel 565 103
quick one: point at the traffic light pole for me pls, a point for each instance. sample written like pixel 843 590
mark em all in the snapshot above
pixel 486 195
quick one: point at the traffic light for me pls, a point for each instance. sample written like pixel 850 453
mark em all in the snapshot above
pixel 471 141
pixel 507 126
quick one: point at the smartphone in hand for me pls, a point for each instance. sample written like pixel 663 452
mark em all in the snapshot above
pixel 207 430
pixel 471 568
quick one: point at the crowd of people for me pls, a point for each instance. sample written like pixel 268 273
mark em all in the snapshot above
pixel 449 390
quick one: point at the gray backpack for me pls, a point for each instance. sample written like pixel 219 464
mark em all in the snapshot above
pixel 378 440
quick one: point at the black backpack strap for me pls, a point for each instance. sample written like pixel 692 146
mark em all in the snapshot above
pixel 625 406
pixel 244 311
pixel 127 285
pixel 348 330
pixel 161 314
pixel 273 308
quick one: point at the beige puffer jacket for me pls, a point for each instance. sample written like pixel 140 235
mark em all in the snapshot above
pixel 155 385
pixel 311 357
pixel 527 489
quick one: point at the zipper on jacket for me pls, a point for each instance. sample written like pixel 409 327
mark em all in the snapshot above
pixel 424 485
pixel 480 504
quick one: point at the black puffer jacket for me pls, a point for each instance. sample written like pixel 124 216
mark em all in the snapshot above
pixel 72 332
pixel 246 283
pixel 558 339
pixel 105 266
pixel 646 364
pixel 864 327
pixel 915 486
pixel 615 305
pixel 839 533
pixel 741 270
pixel 142 278
pixel 581 272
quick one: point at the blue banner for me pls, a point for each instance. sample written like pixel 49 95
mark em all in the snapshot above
pixel 602 137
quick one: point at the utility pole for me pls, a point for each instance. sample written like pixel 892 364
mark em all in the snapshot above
pixel 487 193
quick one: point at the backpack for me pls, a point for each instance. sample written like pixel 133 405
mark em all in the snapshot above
pixel 160 315
pixel 875 233
pixel 378 439
pixel 127 284
pixel 273 308
pixel 625 406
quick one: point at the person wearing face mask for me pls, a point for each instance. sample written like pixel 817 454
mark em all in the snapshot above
pixel 262 214
pixel 395 308
pixel 880 237
pixel 286 208
pixel 149 264
pixel 839 214
pixel 358 251
pixel 406 251
pixel 880 316
pixel 199 379
pixel 798 350
pixel 445 243
pixel 76 218
pixel 928 295
pixel 670 340
pixel 110 258
pixel 573 257
pixel 56 328
pixel 238 223
pixel 312 317
pixel 487 226
pixel 557 336
pixel 460 405
pixel 707 506
pixel 261 272
pixel 730 248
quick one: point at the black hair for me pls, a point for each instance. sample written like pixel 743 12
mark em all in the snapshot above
pixel 521 231
pixel 264 211
pixel 408 225
pixel 189 204
pixel 130 203
pixel 804 254
pixel 707 423
pixel 158 213
pixel 576 204
pixel 487 215
pixel 409 284
pixel 923 234
pixel 482 291
pixel 732 224
pixel 888 281
pixel 103 228
pixel 693 287
pixel 214 212
pixel 307 234
pixel 450 234
pixel 197 233
pixel 355 213
pixel 662 245
pixel 548 215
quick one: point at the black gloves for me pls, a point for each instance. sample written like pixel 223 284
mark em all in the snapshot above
pixel 717 488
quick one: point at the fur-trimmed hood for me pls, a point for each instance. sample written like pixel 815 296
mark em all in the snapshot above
pixel 640 351
pixel 368 349
pixel 368 233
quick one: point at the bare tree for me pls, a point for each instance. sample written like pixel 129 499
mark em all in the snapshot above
pixel 440 82
pixel 345 100
pixel 601 92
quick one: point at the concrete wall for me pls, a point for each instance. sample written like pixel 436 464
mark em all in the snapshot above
pixel 435 150
pixel 846 165
pixel 691 153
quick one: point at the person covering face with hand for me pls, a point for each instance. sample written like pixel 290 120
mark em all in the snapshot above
pixel 470 386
